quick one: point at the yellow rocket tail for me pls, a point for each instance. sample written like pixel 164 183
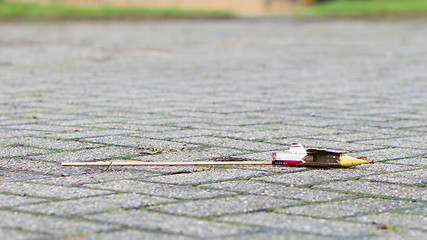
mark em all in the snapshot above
pixel 347 161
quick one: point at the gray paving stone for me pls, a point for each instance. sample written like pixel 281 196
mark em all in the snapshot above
pixel 405 115
pixel 416 177
pixel 48 191
pixel 170 223
pixel 276 190
pixel 279 131
pixel 13 201
pixel 194 178
pixel 87 133
pixel 191 154
pixel 20 118
pixel 83 121
pixel 417 161
pixel 378 189
pixel 321 227
pixel 216 126
pixel 52 225
pixel 407 142
pixel 12 234
pixel 8 133
pixel 276 235
pixel 262 156
pixel 317 176
pixel 230 143
pixel 386 167
pixel 94 204
pixel 393 219
pixel 360 137
pixel 37 169
pixel 399 235
pixel 11 176
pixel 325 122
pixel 46 128
pixel 392 153
pixel 347 208
pixel 130 235
pixel 152 128
pixel 327 145
pixel 224 206
pixel 419 211
pixel 161 122
pixel 98 154
pixel 37 115
pixel 49 143
pixel 176 133
pixel 136 142
pixel 240 119
pixel 379 130
pixel 92 176
pixel 163 190
pixel 19 151
pixel 398 124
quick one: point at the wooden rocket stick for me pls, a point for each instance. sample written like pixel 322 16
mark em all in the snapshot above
pixel 344 161
pixel 136 163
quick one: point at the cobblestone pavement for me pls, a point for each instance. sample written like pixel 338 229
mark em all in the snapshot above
pixel 191 91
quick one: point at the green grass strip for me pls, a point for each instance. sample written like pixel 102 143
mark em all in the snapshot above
pixel 367 8
pixel 56 11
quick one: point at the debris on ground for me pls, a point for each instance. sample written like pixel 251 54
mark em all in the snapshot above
pixel 228 159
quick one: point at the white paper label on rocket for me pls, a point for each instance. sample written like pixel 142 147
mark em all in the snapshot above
pixel 294 157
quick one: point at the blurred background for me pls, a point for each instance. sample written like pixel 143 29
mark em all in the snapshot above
pixel 240 7
pixel 211 8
